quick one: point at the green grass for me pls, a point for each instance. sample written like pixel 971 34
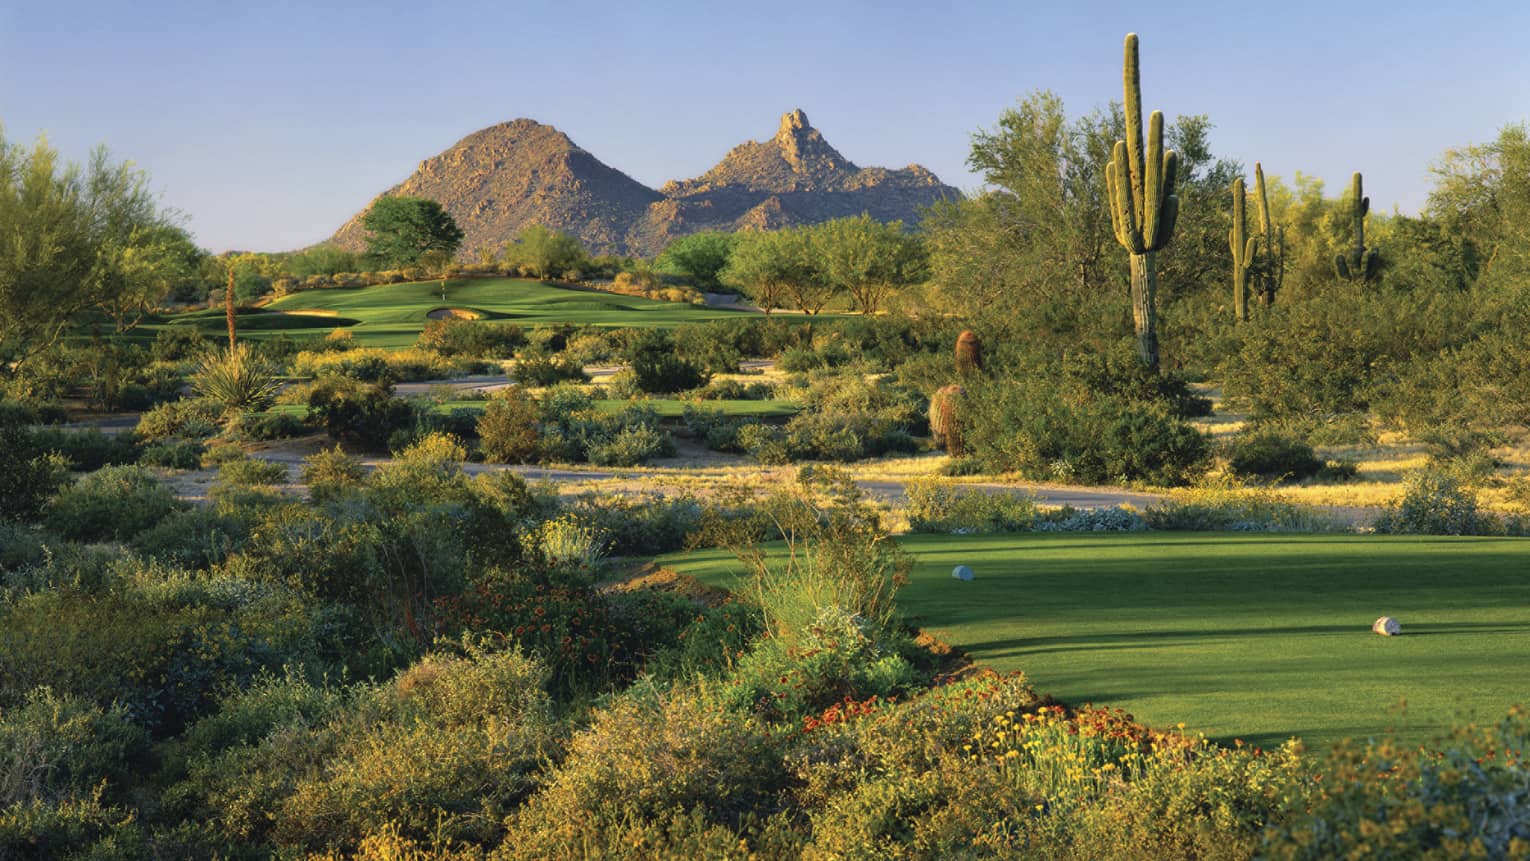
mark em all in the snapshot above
pixel 1237 636
pixel 392 315
pixel 666 407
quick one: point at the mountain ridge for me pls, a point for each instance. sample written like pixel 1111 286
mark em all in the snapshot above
pixel 499 179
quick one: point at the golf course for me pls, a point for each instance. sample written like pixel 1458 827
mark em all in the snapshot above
pixel 393 315
pixel 1252 637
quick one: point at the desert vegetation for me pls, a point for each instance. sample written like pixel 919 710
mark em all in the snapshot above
pixel 1011 532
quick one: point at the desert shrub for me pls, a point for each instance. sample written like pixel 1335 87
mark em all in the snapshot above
pixel 732 390
pixel 178 344
pixel 329 473
pixel 191 418
pixel 173 454
pixel 366 415
pixel 377 365
pixel 1272 457
pixel 658 369
pixel 537 368
pixel 195 538
pixel 844 437
pixel 54 747
pixel 639 525
pixel 69 829
pixel 274 425
pixel 159 642
pixel 507 430
pixel 479 340
pixel 28 477
pixel 764 443
pixel 1117 373
pixel 251 472
pixel 1461 797
pixel 1238 510
pixel 87 450
pixel 631 446
pixel 935 506
pixel 1434 503
pixel 800 360
pixel 1069 519
pixel 645 756
pixel 114 503
pixel 710 644
pixel 713 428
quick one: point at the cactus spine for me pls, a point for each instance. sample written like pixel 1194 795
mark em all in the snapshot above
pixel 1359 263
pixel 969 353
pixel 1272 271
pixel 945 419
pixel 1140 179
pixel 1244 250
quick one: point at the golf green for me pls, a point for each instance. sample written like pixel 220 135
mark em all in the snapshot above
pixel 1258 637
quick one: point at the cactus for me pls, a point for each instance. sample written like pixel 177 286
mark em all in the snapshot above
pixel 1359 263
pixel 1272 266
pixel 1140 180
pixel 969 353
pixel 945 419
pixel 1244 250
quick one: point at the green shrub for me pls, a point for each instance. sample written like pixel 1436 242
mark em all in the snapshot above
pixel 935 506
pixel 658 369
pixel 1433 503
pixel 472 338
pixel 764 443
pixel 70 829
pixel 1214 509
pixel 632 446
pixel 1272 456
pixel 28 477
pixel 55 747
pixel 173 454
pixel 507 430
pixel 251 472
pixel 330 472
pixel 87 450
pixel 536 368
pixel 114 503
pixel 198 537
pixel 274 425
pixel 192 418
pixel 366 415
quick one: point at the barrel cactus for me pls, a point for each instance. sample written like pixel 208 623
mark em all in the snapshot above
pixel 969 353
pixel 945 419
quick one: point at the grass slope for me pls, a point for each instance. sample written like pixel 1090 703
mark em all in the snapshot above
pixel 392 315
pixel 1255 637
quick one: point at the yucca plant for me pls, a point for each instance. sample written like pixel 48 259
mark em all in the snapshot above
pixel 239 379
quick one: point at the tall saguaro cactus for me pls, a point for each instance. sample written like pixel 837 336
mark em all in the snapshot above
pixel 1359 263
pixel 1143 205
pixel 1272 269
pixel 1244 249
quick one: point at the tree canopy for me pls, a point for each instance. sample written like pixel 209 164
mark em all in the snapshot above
pixel 401 229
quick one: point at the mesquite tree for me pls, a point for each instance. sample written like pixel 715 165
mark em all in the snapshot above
pixel 1140 179
pixel 1244 249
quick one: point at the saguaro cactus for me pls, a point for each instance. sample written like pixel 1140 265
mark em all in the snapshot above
pixel 969 353
pixel 1359 263
pixel 1272 266
pixel 1244 250
pixel 1140 179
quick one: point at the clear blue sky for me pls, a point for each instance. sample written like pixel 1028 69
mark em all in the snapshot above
pixel 269 123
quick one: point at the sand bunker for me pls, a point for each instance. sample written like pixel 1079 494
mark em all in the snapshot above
pixel 455 314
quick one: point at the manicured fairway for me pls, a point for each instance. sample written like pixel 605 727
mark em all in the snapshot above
pixel 392 315
pixel 1256 637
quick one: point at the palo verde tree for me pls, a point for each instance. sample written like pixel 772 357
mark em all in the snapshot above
pixel 1140 178
pixel 1272 245
pixel 1359 263
pixel 869 259
pixel 1244 249
pixel 401 229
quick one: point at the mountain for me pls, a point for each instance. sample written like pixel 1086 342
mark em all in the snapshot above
pixel 500 179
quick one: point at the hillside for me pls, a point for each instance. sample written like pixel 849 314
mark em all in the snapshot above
pixel 500 179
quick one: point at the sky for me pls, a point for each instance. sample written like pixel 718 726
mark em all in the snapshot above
pixel 268 124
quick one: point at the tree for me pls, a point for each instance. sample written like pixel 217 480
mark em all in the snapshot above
pixel 545 253
pixel 869 259
pixel 76 239
pixel 699 258
pixel 770 266
pixel 401 229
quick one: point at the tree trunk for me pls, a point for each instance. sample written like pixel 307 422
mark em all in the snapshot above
pixel 1144 286
pixel 1240 293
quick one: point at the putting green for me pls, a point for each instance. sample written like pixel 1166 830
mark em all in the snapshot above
pixel 1258 637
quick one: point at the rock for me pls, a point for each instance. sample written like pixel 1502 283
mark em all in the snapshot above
pixel 1387 626
pixel 961 572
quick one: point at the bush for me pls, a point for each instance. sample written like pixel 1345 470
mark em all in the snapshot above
pixel 274 425
pixel 238 379
pixel 366 415
pixel 507 430
pixel 935 506
pixel 28 478
pixel 1436 504
pixel 378 365
pixel 658 369
pixel 631 446
pixel 251 472
pixel 197 538
pixel 55 746
pixel 87 450
pixel 1230 509
pixel 113 504
pixel 1273 457
pixel 535 368
pixel 173 454
pixel 192 418
pixel 475 339
pixel 330 473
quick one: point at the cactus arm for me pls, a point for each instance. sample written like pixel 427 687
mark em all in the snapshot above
pixel 1132 82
